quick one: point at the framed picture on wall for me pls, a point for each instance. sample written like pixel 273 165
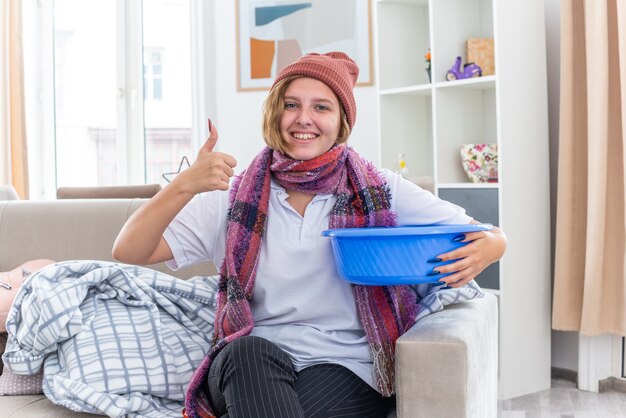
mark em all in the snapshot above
pixel 272 34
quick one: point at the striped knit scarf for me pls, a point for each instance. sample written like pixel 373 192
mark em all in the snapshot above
pixel 363 200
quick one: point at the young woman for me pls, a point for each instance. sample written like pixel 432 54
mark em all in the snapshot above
pixel 291 338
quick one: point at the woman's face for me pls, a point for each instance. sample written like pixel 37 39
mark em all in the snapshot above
pixel 311 118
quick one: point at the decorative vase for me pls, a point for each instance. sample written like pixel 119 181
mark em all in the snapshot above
pixel 480 162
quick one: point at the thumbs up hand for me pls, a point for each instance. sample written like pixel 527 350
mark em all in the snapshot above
pixel 211 171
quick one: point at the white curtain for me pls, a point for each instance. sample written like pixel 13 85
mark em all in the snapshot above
pixel 13 153
pixel 5 134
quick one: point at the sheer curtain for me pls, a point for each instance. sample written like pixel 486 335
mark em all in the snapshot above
pixel 589 284
pixel 13 153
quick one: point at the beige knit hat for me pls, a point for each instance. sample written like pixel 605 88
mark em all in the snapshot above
pixel 335 69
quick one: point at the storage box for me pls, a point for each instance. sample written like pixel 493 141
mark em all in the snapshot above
pixel 395 255
pixel 480 51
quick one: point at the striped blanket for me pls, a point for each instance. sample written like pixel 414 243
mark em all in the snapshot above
pixel 113 339
pixel 123 340
pixel 433 298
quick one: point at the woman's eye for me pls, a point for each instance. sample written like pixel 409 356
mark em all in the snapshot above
pixel 321 107
pixel 290 106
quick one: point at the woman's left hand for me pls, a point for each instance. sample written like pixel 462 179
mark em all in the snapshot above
pixel 483 249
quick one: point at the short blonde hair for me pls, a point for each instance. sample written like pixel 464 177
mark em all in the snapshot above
pixel 273 108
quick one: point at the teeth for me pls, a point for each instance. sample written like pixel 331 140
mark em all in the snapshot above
pixel 304 136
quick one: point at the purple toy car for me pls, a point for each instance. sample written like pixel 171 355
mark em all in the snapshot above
pixel 469 70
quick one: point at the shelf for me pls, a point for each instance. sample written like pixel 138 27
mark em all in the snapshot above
pixel 417 90
pixel 468 186
pixel 478 83
pixel 463 116
pixel 430 119
pixel 402 23
pixel 406 128
pixel 454 22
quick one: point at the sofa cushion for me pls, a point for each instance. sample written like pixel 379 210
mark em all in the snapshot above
pixel 36 406
pixel 70 229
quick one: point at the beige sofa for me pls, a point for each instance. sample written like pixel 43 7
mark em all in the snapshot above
pixel 446 364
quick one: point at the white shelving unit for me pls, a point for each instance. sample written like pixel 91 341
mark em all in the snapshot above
pixel 429 121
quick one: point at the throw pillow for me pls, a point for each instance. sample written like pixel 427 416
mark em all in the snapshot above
pixel 3 343
pixel 15 384
pixel 10 282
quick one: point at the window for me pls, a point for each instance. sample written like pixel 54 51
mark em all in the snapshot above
pixel 167 75
pixel 85 104
pixel 122 90
pixel 152 71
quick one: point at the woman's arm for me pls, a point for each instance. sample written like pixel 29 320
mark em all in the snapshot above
pixel 415 206
pixel 141 239
pixel 483 249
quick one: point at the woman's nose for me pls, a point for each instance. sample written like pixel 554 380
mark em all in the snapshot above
pixel 304 117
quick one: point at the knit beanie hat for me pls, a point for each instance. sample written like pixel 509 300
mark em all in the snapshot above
pixel 335 69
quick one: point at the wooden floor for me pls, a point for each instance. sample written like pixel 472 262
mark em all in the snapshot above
pixel 565 401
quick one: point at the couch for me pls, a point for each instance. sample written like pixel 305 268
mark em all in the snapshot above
pixel 446 364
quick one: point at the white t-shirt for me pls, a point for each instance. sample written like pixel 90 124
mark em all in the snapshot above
pixel 300 303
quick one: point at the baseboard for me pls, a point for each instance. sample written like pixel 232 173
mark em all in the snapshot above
pixel 610 383
pixel 619 384
pixel 565 374
pixel 613 383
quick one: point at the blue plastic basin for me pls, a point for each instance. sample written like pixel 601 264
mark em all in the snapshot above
pixel 395 255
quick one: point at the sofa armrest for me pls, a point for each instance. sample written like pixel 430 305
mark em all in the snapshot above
pixel 447 363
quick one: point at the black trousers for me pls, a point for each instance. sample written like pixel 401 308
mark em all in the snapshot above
pixel 253 378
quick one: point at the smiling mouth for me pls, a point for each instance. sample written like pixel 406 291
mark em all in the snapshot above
pixel 304 137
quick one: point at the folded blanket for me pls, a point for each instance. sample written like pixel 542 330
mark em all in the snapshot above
pixel 113 339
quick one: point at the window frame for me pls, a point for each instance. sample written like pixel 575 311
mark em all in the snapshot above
pixel 130 90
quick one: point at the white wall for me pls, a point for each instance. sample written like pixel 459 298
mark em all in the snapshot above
pixel 238 114
pixel 564 344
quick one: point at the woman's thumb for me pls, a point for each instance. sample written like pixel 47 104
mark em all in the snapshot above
pixel 212 140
